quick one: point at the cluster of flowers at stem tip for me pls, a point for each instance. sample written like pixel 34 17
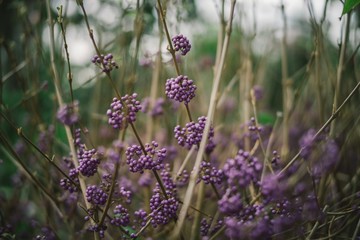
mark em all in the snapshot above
pixel 181 43
pixel 151 159
pixel 106 63
pixel 192 133
pixel 123 111
pixel 180 89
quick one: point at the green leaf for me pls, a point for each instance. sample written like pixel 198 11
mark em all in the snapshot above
pixel 349 5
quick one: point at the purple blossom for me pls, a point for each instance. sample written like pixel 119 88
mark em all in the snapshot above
pixel 273 187
pixel 68 114
pixel 45 139
pixel 306 143
pixel 180 89
pixel 328 160
pixel 258 92
pixel 145 180
pixel 230 203
pixel 156 110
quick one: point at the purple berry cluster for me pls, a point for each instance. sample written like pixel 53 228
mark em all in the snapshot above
pixel 162 209
pixel 191 134
pixel 209 174
pixel 252 126
pixel 127 194
pixel 107 63
pixel 183 178
pixel 180 89
pixel 121 216
pixel 205 229
pixel 181 43
pixel 99 229
pixel 123 111
pixel 140 217
pixel 88 162
pixel 68 114
pixel 96 195
pixel 68 185
pixel 152 160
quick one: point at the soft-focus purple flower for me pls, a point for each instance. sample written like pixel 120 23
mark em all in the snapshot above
pixel 230 203
pixel 273 187
pixel 306 143
pixel 258 92
pixel 145 180
pixel 328 160
pixel 69 113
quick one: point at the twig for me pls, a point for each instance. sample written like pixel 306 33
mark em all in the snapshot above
pixel 69 75
pixel 340 68
pixel 60 100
